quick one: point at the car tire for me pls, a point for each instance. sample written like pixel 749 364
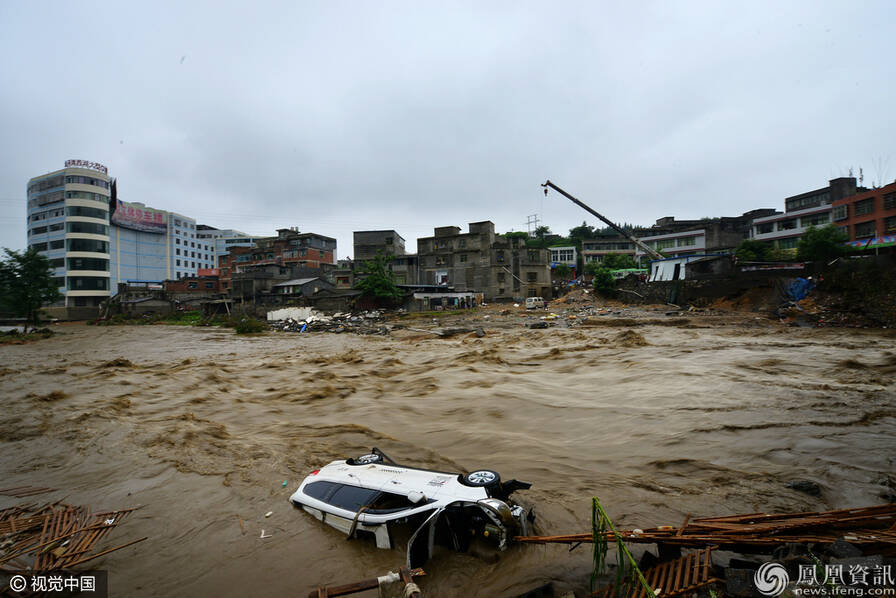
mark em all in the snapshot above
pixel 366 459
pixel 481 478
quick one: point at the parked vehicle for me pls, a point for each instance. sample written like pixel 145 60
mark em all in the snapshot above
pixel 535 303
pixel 373 494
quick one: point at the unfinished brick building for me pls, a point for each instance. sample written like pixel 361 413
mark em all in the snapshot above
pixel 500 268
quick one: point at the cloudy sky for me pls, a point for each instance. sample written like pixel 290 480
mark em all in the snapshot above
pixel 342 116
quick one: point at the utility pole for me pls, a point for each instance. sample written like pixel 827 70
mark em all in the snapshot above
pixel 532 223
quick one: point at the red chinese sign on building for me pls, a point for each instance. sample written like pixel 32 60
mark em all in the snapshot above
pixel 141 218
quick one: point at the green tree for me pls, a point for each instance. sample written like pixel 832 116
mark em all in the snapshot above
pixel 825 243
pixel 619 261
pixel 592 268
pixel 562 271
pixel 604 283
pixel 26 284
pixel 579 233
pixel 378 281
pixel 751 250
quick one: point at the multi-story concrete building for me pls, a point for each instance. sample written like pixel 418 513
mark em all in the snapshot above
pixel 564 254
pixel 480 260
pixel 675 238
pixel 152 245
pixel 369 243
pixel 595 250
pixel 869 217
pixel 289 249
pixel 95 243
pixel 68 222
pixel 812 208
pixel 221 240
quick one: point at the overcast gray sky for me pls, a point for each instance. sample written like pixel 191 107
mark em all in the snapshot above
pixel 342 116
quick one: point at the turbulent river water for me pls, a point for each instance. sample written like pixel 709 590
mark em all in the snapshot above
pixel 202 427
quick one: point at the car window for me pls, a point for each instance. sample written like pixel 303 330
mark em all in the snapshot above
pixel 387 501
pixel 352 498
pixel 320 490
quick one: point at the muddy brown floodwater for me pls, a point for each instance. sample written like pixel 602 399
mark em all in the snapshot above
pixel 202 426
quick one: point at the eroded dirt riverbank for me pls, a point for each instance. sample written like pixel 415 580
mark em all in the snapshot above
pixel 202 426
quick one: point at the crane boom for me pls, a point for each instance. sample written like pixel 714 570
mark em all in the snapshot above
pixel 643 246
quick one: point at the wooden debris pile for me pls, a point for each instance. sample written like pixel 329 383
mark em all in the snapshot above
pixel 54 535
pixel 672 578
pixel 404 578
pixel 872 529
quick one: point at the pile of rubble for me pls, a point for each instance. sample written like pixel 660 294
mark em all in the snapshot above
pixel 310 320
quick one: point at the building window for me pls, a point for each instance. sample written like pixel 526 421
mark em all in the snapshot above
pixel 84 245
pixel 665 244
pixel 88 212
pixel 88 263
pixel 787 224
pixel 177 251
pixel 499 256
pixel 864 229
pixel 866 206
pixel 890 224
pixel 88 283
pixel 890 201
pixel 687 242
pixel 87 228
pixel 790 243
pixel 501 291
pixel 463 258
pixel 840 212
pixel 461 243
pixel 209 285
pixel 764 228
pixel 533 255
pixel 193 285
pixel 532 276
pixel 814 220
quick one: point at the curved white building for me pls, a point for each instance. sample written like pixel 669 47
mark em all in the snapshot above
pixel 68 221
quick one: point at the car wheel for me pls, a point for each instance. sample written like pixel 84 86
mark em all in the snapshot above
pixel 366 459
pixel 481 478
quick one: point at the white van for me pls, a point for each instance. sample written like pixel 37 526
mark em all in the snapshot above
pixel 534 303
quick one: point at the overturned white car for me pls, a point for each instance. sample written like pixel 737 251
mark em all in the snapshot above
pixel 373 494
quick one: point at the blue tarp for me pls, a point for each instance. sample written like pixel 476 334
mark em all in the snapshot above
pixel 799 288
